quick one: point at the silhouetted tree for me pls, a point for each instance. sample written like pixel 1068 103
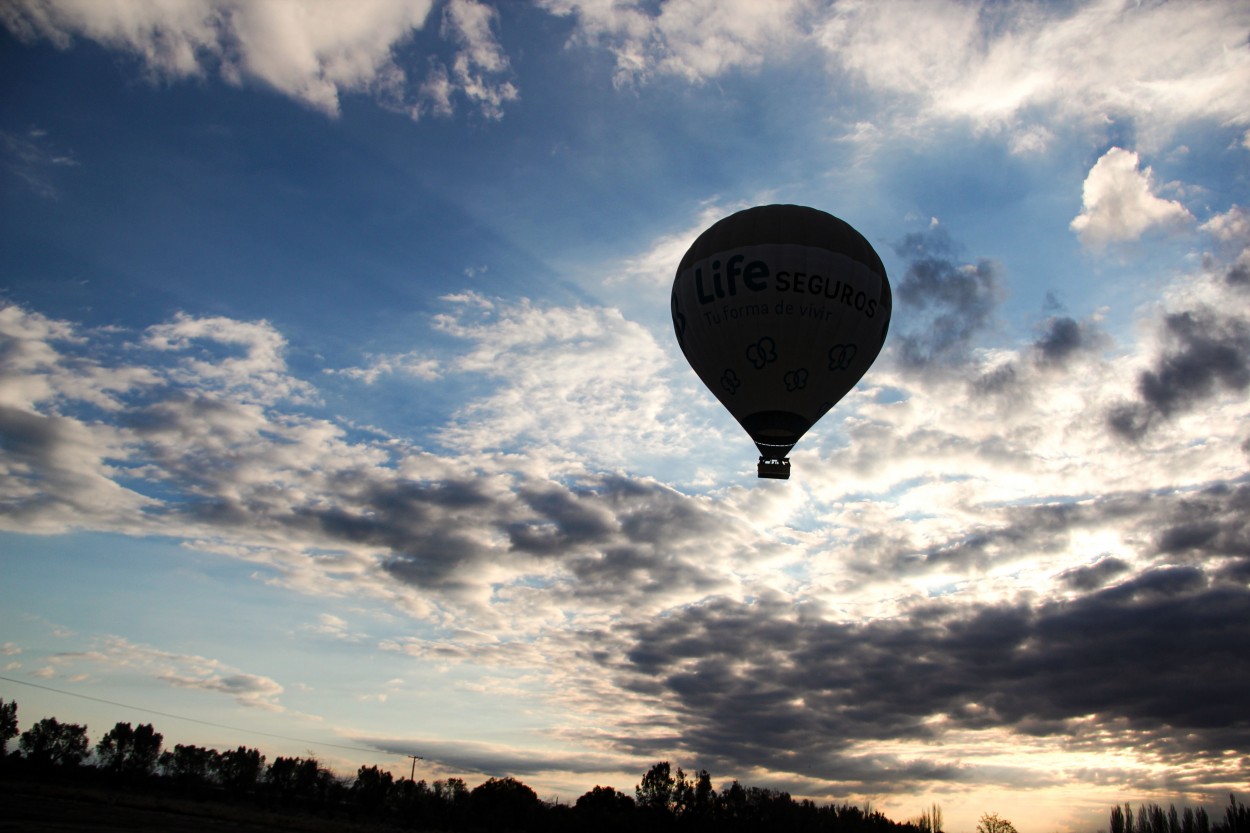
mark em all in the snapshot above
pixel 930 820
pixel 604 809
pixel 301 782
pixel 505 804
pixel 733 804
pixel 403 801
pixel 370 790
pixel 1117 819
pixel 189 766
pixel 991 823
pixel 1236 817
pixel 50 743
pixel 683 794
pixel 452 802
pixel 130 752
pixel 656 790
pixel 238 770
pixel 8 725
pixel 700 807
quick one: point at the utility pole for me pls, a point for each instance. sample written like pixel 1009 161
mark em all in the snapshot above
pixel 415 758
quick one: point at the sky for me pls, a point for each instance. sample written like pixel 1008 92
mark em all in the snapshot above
pixel 341 412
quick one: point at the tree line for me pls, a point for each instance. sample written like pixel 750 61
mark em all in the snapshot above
pixel 1152 818
pixel 665 799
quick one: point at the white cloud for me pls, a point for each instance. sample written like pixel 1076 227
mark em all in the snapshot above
pixel 250 690
pixel 480 59
pixel 1120 204
pixel 583 378
pixel 693 39
pixel 111 653
pixel 403 364
pixel 1007 68
pixel 1233 226
pixel 314 52
pixel 655 266
pixel 258 375
pixel 1158 64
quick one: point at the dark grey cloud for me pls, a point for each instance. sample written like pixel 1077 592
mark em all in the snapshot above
pixel 1061 338
pixel 1208 351
pixel 1151 653
pixel 1160 657
pixel 1096 575
pixel 565 521
pixel 946 303
pixel 499 762
pixel 1204 527
pixel 1239 273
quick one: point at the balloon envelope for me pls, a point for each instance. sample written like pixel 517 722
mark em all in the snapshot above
pixel 780 310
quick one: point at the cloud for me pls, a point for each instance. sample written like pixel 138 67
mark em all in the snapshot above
pixel 310 51
pixel 1018 68
pixel 1120 204
pixel 569 377
pixel 1203 351
pixel 480 59
pixel 412 364
pixel 33 159
pixel 692 39
pixel 1094 576
pixel 763 684
pixel 959 526
pixel 1231 226
pixel 497 760
pixel 241 359
pixel 110 653
pixel 953 301
pixel 247 689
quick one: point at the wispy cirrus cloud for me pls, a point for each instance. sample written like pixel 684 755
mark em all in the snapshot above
pixel 1002 67
pixel 33 158
pixel 110 653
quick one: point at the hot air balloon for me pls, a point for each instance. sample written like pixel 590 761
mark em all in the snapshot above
pixel 780 310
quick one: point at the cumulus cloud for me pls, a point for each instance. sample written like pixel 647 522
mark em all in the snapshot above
pixel 242 359
pixel 1120 204
pixel 313 52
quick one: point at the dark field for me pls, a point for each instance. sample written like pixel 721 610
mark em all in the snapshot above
pixel 29 807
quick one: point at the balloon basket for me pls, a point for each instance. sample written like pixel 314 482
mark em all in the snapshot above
pixel 774 469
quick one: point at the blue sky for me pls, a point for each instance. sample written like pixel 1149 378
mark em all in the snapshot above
pixel 339 400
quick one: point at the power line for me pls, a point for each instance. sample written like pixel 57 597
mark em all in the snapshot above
pixel 202 722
